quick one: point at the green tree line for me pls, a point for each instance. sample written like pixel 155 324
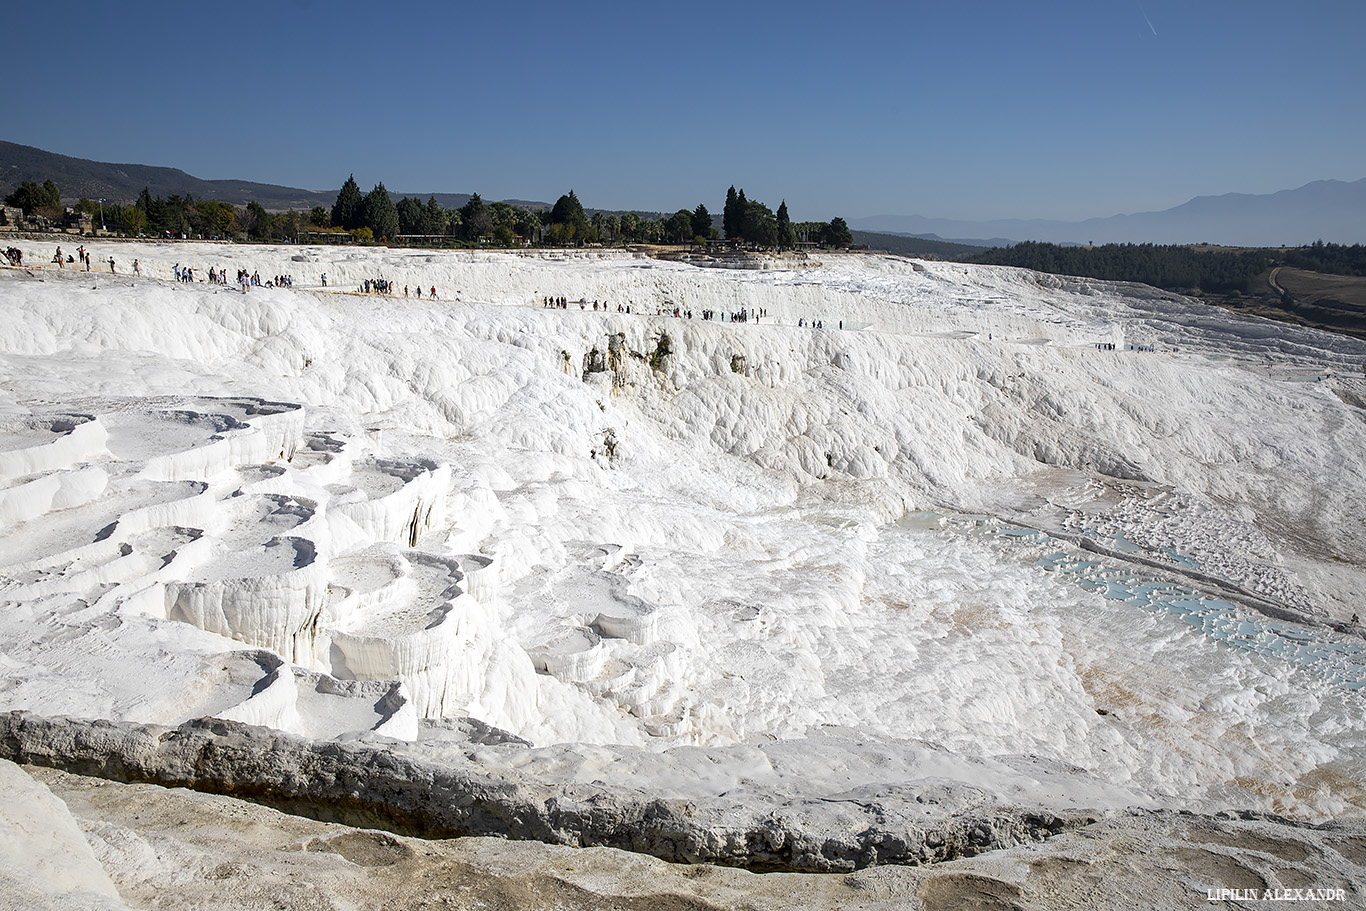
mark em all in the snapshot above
pixel 1334 258
pixel 374 216
pixel 1175 268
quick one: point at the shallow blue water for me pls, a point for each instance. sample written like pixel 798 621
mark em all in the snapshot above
pixel 1335 658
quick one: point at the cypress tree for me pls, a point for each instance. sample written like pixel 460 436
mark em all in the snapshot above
pixel 379 213
pixel 730 216
pixel 786 236
pixel 346 212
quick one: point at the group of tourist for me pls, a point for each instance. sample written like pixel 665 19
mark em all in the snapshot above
pixel 81 251
pixel 384 286
pixel 1111 346
pixel 15 256
pixel 743 315
pixel 562 303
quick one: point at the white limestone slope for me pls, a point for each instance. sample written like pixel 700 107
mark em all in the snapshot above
pixel 958 542
pixel 45 861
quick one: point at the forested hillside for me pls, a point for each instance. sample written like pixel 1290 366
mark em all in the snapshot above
pixel 1171 267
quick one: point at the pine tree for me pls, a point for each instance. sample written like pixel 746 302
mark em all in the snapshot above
pixel 837 233
pixel 410 215
pixel 434 217
pixel 380 214
pixel 475 218
pixel 346 212
pixel 256 220
pixel 701 222
pixel 568 211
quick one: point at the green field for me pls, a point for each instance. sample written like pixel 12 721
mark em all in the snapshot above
pixel 1336 303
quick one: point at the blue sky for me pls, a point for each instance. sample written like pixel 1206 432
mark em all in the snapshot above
pixel 1066 109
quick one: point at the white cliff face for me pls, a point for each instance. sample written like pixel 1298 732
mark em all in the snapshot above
pixel 45 860
pixel 944 522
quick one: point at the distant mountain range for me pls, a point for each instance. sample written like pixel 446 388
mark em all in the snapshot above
pixel 121 183
pixel 1330 210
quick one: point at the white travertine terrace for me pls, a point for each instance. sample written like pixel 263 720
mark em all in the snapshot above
pixel 944 536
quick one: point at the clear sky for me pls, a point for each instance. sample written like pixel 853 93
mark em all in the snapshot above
pixel 1065 109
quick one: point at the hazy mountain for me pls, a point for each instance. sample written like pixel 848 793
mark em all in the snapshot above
pixel 1331 210
pixel 121 183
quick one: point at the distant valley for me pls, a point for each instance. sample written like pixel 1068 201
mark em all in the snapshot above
pixel 1329 210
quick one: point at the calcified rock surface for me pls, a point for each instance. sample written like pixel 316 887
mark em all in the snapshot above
pixel 177 850
pixel 984 554
pixel 369 785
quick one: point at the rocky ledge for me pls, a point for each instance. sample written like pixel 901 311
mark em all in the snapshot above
pixel 368 785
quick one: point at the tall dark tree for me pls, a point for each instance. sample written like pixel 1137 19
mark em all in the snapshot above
pixel 475 218
pixel 154 209
pixel 410 216
pixel 837 233
pixel 787 237
pixel 379 213
pixel 568 211
pixel 701 222
pixel 434 217
pixel 347 212
pixel 175 214
pixel 757 224
pixel 256 221
pixel 678 226
pixel 730 215
pixel 55 199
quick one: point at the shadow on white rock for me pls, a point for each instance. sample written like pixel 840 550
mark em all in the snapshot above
pixel 394 500
pixel 271 595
